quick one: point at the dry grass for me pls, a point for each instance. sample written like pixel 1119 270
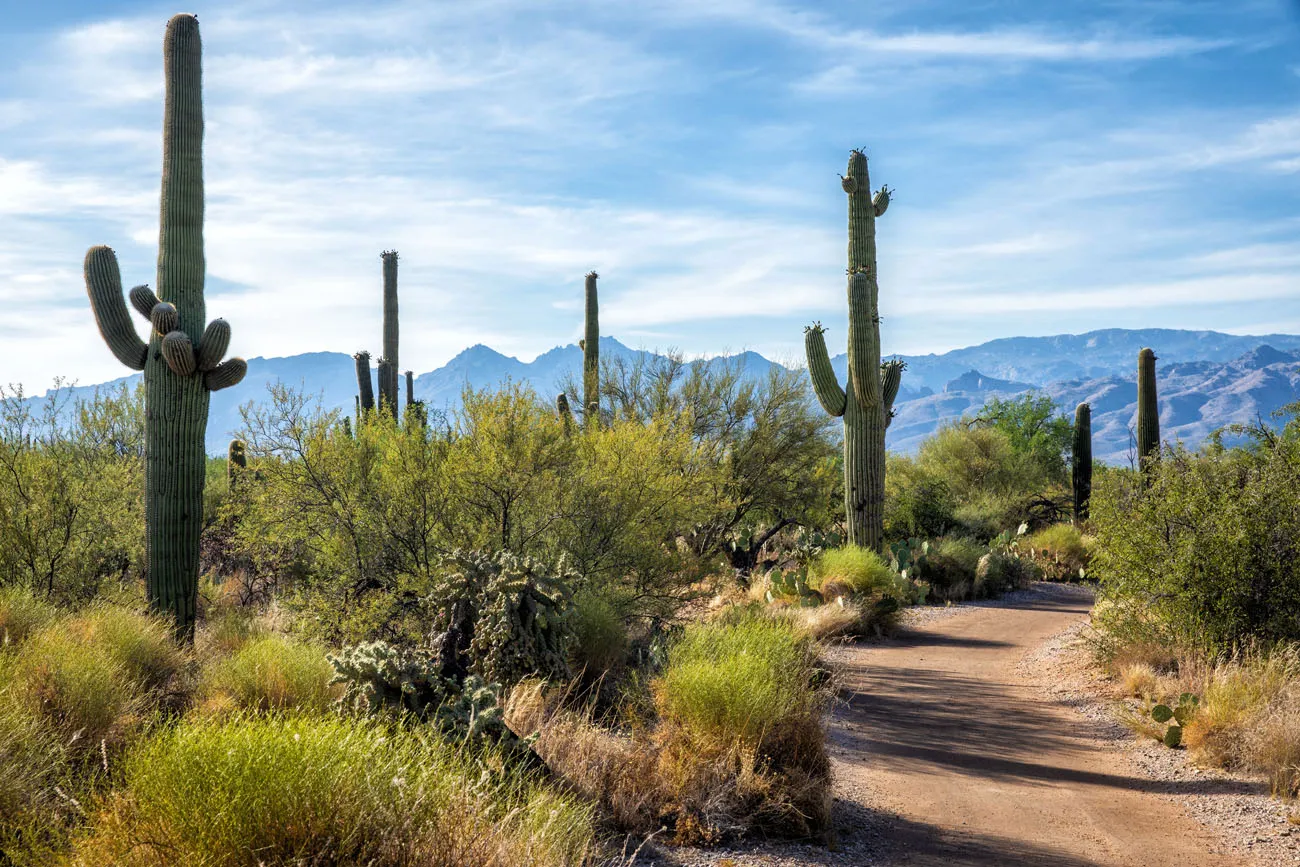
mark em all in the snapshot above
pixel 837 619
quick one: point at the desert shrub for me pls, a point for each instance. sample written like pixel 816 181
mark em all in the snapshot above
pixel 740 738
pixel 1205 552
pixel 269 673
pixel 1000 571
pixel 600 636
pixel 71 491
pixel 853 571
pixel 89 675
pixel 308 789
pixel 918 503
pixel 33 759
pixel 950 567
pixel 21 613
pixel 736 681
pixel 1060 551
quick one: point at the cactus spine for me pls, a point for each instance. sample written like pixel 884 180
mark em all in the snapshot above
pixel 1081 462
pixel 236 462
pixel 182 361
pixel 389 393
pixel 866 402
pixel 1148 412
pixel 365 391
pixel 591 356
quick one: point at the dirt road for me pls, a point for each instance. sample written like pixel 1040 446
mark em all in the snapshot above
pixel 978 768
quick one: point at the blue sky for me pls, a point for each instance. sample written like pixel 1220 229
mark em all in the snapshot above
pixel 1059 167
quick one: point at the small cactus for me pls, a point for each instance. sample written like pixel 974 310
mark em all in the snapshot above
pixel 236 462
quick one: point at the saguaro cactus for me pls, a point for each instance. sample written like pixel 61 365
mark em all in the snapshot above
pixel 365 390
pixel 389 258
pixel 236 462
pixel 1081 462
pixel 182 361
pixel 387 378
pixel 1148 412
pixel 591 356
pixel 410 387
pixel 866 402
pixel 562 407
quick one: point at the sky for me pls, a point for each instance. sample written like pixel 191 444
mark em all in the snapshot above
pixel 1058 167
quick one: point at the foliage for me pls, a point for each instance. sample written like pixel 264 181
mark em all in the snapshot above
pixel 71 491
pixel 1034 430
pixel 1060 551
pixel 918 502
pixel 600 637
pixel 269 673
pixel 309 789
pixel 853 571
pixel 21 613
pixel 949 567
pixel 1207 554
pixel 1181 714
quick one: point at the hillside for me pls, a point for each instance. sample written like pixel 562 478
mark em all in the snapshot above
pixel 1207 380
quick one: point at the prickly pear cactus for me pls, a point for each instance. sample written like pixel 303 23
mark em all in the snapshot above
pixel 866 400
pixel 1180 715
pixel 182 360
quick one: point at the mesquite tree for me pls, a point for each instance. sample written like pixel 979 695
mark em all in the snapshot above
pixel 866 402
pixel 182 361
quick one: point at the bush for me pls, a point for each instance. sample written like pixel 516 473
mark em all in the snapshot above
pixel 89 674
pixel 21 614
pixel 1206 552
pixel 741 741
pixel 852 571
pixel 1060 551
pixel 600 636
pixel 326 790
pixel 999 572
pixel 271 673
pixel 737 681
pixel 950 567
pixel 917 503
pixel 33 759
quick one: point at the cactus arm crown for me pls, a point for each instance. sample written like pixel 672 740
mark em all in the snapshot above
pixel 104 287
pixel 825 385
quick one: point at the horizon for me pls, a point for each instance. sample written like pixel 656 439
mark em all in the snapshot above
pixel 1058 171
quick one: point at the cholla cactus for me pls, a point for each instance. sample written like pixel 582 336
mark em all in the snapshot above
pixel 182 361
pixel 867 399
pixel 522 624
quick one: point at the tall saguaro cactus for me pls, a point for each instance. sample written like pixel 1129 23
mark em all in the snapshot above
pixel 1148 412
pixel 867 399
pixel 387 378
pixel 182 361
pixel 388 391
pixel 1081 462
pixel 591 355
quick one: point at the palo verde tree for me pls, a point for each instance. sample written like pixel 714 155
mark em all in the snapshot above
pixel 182 361
pixel 866 402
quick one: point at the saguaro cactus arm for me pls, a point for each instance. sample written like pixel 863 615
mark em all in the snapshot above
pixel 825 385
pixel 104 286
pixel 891 379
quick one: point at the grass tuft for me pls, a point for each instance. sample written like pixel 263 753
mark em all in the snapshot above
pixel 269 673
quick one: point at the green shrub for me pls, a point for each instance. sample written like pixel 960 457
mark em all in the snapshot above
pixel 75 686
pixel 1205 552
pixel 21 614
pixel 1060 551
pixel 917 503
pixel 270 673
pixel 600 635
pixel 736 681
pixel 1001 571
pixel 142 643
pixel 851 571
pixel 950 567
pixel 326 790
pixel 33 759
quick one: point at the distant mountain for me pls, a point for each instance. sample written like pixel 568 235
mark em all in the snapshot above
pixel 1206 380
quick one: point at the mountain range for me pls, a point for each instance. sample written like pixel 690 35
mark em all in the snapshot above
pixel 1206 380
